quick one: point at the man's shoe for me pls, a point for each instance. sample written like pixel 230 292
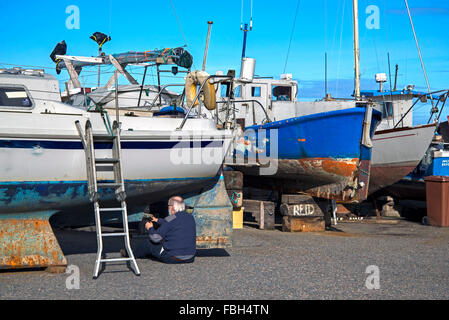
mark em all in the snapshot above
pixel 124 253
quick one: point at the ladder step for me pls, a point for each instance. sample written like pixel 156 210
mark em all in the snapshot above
pixel 116 234
pixel 105 163
pixel 111 209
pixel 109 185
pixel 106 160
pixel 116 259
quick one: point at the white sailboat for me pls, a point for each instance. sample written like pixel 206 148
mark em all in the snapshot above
pixel 41 149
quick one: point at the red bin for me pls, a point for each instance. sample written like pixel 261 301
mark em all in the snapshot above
pixel 437 199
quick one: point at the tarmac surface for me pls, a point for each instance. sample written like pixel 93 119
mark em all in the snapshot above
pixel 412 261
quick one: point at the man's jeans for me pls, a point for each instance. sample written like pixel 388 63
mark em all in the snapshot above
pixel 147 247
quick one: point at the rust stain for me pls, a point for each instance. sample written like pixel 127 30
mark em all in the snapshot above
pixel 212 242
pixel 28 243
pixel 343 168
pixel 306 224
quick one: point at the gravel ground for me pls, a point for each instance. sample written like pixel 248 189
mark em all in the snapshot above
pixel 413 262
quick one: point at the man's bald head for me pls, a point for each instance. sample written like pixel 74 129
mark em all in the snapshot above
pixel 175 204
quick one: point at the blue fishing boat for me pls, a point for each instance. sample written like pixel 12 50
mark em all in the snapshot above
pixel 326 155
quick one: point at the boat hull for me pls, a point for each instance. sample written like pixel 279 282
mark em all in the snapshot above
pixel 321 154
pixel 51 174
pixel 407 188
pixel 409 145
pixel 56 186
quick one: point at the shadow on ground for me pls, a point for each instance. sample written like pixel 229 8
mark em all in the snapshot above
pixel 85 241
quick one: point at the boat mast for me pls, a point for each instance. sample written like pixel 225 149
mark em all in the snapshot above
pixel 245 31
pixel 207 44
pixel 356 50
pixel 245 28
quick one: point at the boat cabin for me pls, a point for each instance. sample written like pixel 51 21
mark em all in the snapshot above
pixel 394 106
pixel 276 96
pixel 30 91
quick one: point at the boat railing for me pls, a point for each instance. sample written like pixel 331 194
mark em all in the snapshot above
pixel 220 78
pixel 161 91
pixel 443 95
pixel 248 101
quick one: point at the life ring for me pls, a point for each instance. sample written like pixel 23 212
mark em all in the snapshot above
pixel 196 78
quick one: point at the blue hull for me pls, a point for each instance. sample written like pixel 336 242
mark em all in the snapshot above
pixel 322 154
pixel 18 197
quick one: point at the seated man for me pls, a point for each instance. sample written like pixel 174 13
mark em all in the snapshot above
pixel 175 239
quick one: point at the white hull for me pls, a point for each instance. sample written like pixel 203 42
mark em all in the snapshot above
pixel 151 155
pixel 396 152
pixel 42 161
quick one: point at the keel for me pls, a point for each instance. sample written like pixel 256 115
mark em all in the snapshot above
pixel 28 241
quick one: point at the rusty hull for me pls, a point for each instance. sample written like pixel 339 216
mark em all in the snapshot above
pixel 27 239
pixel 344 180
pixel 212 211
pixel 385 175
pixel 28 243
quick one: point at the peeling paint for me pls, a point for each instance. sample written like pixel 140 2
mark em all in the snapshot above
pixel 28 243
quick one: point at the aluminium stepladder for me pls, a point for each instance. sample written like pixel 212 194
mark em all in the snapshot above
pixel 118 185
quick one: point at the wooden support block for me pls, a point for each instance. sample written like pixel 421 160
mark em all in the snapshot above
pixel 234 185
pixel 301 210
pixel 296 198
pixel 302 213
pixel 302 205
pixel 261 211
pixel 233 180
pixel 258 194
pixel 303 224
pixel 236 197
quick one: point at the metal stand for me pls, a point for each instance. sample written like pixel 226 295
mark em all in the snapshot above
pixel 115 163
pixel 334 211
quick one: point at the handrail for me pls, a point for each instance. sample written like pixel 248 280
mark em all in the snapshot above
pixel 444 102
pixel 160 92
pixel 418 99
pixel 198 94
pixel 245 101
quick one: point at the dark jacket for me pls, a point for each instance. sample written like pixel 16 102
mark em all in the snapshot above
pixel 177 233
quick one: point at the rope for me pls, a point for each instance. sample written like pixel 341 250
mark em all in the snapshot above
pixel 179 23
pixel 291 35
pixel 419 51
pixel 180 27
pixel 241 17
pixel 339 51
pixel 325 26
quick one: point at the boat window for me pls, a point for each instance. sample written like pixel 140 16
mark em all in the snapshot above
pixel 255 91
pixel 387 110
pixel 282 93
pixel 224 89
pixel 14 97
pixel 237 92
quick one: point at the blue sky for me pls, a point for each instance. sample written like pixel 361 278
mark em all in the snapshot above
pixel 29 31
